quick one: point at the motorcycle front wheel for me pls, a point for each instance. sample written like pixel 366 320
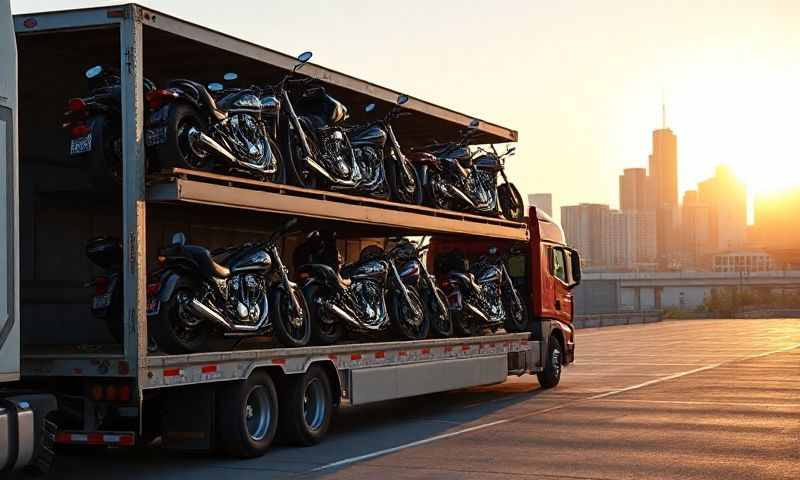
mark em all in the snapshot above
pixel 404 188
pixel 292 327
pixel 279 175
pixel 516 317
pixel 180 150
pixel 511 204
pixel 409 324
pixel 302 173
pixel 174 329
pixel 463 324
pixel 435 191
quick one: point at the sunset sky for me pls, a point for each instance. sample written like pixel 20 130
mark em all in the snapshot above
pixel 582 81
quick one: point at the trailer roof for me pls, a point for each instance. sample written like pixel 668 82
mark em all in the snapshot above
pixel 431 121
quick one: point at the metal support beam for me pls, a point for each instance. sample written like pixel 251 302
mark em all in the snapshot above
pixel 133 190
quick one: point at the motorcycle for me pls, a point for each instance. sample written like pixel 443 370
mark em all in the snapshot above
pixel 404 180
pixel 356 296
pixel 246 293
pixel 321 151
pixel 407 255
pixel 94 122
pixel 209 128
pixel 107 301
pixel 482 295
pixel 456 177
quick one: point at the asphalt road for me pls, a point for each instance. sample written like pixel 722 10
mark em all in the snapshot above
pixel 712 399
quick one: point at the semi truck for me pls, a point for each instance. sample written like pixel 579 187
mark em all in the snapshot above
pixel 66 381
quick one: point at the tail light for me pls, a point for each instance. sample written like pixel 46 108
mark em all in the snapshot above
pixel 76 105
pixel 111 392
pixel 152 289
pixel 101 285
pixel 79 129
pixel 156 98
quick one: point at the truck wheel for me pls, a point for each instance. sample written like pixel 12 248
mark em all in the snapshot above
pixel 324 330
pixel 248 415
pixel 306 407
pixel 551 374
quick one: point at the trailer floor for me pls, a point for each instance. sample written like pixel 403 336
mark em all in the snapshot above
pixel 682 399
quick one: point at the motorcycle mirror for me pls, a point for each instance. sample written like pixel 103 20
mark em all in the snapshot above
pixel 215 87
pixel 290 224
pixel 369 108
pixel 230 76
pixel 402 99
pixel 511 150
pixel 492 250
pixel 94 71
pixel 304 57
pixel 179 239
pixel 474 124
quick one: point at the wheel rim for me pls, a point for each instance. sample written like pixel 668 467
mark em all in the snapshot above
pixel 555 358
pixel 190 154
pixel 258 413
pixel 314 404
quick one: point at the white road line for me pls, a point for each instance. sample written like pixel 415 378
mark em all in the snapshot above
pixel 592 364
pixel 711 403
pixel 386 451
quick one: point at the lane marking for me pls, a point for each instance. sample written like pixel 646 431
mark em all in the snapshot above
pixel 700 402
pixel 424 441
pixel 577 364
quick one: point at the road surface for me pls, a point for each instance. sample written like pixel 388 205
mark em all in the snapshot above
pixel 712 399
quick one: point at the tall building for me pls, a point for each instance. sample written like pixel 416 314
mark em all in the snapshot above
pixel 696 230
pixel 542 201
pixel 726 197
pixel 635 190
pixel 586 230
pixel 664 172
pixel 621 239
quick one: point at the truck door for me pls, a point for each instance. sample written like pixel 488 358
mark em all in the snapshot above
pixel 9 324
pixel 562 297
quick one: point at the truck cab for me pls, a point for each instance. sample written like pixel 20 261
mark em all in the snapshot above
pixel 543 269
pixel 26 437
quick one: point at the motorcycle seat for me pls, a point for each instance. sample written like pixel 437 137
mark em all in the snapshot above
pixel 206 262
pixel 466 279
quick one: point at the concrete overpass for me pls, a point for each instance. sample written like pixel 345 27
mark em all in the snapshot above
pixel 615 292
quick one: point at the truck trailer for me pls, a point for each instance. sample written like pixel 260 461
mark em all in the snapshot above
pixel 92 390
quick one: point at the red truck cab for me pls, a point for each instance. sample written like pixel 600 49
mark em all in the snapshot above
pixel 544 271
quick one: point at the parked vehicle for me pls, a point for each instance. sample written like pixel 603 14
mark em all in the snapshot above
pixel 228 132
pixel 247 293
pixel 404 180
pixel 366 296
pixel 457 178
pixel 407 255
pixel 318 145
pixel 94 122
pixel 482 295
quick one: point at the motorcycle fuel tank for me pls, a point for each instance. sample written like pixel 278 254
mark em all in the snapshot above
pixel 410 272
pixel 251 260
pixel 488 162
pixel 490 274
pixel 243 101
pixel 375 270
pixel 371 135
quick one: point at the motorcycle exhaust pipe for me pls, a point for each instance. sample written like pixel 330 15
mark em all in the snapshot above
pixel 475 311
pixel 339 312
pixel 202 311
pixel 198 136
pixel 316 166
pixel 461 195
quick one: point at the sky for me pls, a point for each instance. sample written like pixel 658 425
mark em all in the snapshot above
pixel 582 81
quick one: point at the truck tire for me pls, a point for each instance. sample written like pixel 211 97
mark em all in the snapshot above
pixel 306 407
pixel 247 415
pixel 551 374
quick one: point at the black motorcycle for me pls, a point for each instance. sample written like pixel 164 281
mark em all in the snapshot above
pixel 407 255
pixel 321 151
pixel 355 296
pixel 456 177
pixel 404 180
pixel 213 128
pixel 246 293
pixel 94 122
pixel 482 295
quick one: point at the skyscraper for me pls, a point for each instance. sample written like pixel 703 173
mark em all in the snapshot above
pixel 586 229
pixel 726 197
pixel 696 234
pixel 664 172
pixel 635 191
pixel 542 201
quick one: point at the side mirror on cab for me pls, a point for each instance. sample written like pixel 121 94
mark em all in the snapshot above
pixel 574 268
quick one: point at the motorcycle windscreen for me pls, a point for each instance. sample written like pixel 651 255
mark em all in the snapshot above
pixel 9 327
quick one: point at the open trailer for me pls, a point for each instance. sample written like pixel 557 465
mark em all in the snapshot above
pixel 112 394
